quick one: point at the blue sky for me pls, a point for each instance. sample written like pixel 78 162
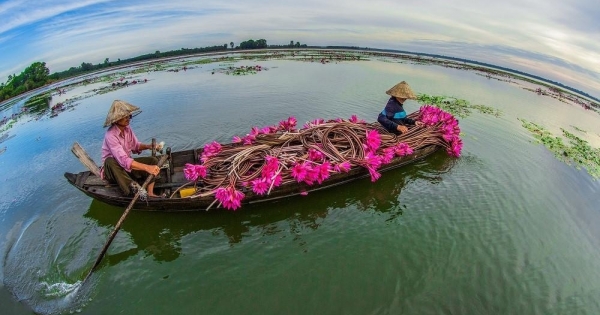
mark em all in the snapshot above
pixel 558 40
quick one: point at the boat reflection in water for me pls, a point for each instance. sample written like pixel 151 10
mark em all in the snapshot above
pixel 159 234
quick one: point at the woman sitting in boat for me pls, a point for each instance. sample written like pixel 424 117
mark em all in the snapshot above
pixel 119 142
pixel 393 117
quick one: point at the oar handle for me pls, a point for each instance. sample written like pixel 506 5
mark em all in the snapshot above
pixel 123 216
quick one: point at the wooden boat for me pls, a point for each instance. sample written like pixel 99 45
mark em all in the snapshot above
pixel 172 177
pixel 272 159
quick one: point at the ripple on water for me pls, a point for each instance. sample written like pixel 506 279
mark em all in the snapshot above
pixel 44 263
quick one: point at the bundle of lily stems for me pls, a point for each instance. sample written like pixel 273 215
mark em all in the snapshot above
pixel 272 156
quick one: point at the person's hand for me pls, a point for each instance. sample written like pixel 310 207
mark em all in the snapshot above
pixel 402 129
pixel 419 123
pixel 152 169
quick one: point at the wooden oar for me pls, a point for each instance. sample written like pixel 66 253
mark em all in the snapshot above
pixel 118 226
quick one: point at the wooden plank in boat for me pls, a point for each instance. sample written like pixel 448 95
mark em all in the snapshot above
pixel 85 159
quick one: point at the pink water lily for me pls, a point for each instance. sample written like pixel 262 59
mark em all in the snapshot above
pixel 455 147
pixel 192 172
pixel 289 124
pixel 403 149
pixel 299 172
pixel 229 197
pixel 315 155
pixel 210 150
pixel 270 167
pixel 354 119
pixel 373 140
pixel 260 186
pixel 430 115
pixel 375 175
pixel 323 171
pixel 275 180
pixel 266 130
pixel 388 155
pixel 254 131
pixel 305 172
pixel 249 139
pixel 342 167
pixel 373 162
pixel 189 171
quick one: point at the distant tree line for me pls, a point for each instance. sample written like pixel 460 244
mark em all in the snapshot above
pixel 37 74
pixel 89 67
pixel 262 43
pixel 33 77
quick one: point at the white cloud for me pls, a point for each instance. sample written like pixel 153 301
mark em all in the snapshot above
pixel 66 33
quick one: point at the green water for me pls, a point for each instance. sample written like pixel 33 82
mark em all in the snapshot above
pixel 504 229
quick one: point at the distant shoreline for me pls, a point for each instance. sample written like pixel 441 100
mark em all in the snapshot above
pixel 432 58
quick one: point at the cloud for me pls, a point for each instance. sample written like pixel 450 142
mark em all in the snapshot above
pixel 556 34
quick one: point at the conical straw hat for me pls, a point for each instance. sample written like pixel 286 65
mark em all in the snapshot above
pixel 120 109
pixel 402 90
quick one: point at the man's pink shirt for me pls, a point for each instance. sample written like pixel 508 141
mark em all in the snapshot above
pixel 120 146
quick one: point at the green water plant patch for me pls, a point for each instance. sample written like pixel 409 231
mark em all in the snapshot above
pixel 575 151
pixel 457 107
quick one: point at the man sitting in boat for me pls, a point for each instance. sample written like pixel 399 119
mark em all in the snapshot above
pixel 119 142
pixel 393 117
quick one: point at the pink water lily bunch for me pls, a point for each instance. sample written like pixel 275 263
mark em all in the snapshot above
pixel 210 150
pixel 431 115
pixel 323 171
pixel 373 162
pixel 342 167
pixel 309 172
pixel 270 176
pixel 192 172
pixel 373 140
pixel 299 171
pixel 455 148
pixel 356 120
pixel 288 124
pixel 260 186
pixel 388 155
pixel 315 155
pixel 229 197
pixel 403 149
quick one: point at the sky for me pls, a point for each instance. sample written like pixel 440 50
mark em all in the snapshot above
pixel 555 39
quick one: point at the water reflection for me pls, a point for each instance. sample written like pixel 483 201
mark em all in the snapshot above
pixel 159 234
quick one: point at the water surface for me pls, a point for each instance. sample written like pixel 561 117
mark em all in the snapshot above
pixel 504 229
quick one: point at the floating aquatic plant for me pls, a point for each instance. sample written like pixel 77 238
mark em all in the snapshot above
pixel 38 103
pixel 243 70
pixel 455 106
pixel 577 151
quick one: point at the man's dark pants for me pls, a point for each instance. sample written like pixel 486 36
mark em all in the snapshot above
pixel 114 173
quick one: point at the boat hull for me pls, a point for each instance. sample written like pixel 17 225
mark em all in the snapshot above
pixel 100 190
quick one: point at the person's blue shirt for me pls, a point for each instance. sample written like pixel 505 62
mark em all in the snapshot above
pixel 393 115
